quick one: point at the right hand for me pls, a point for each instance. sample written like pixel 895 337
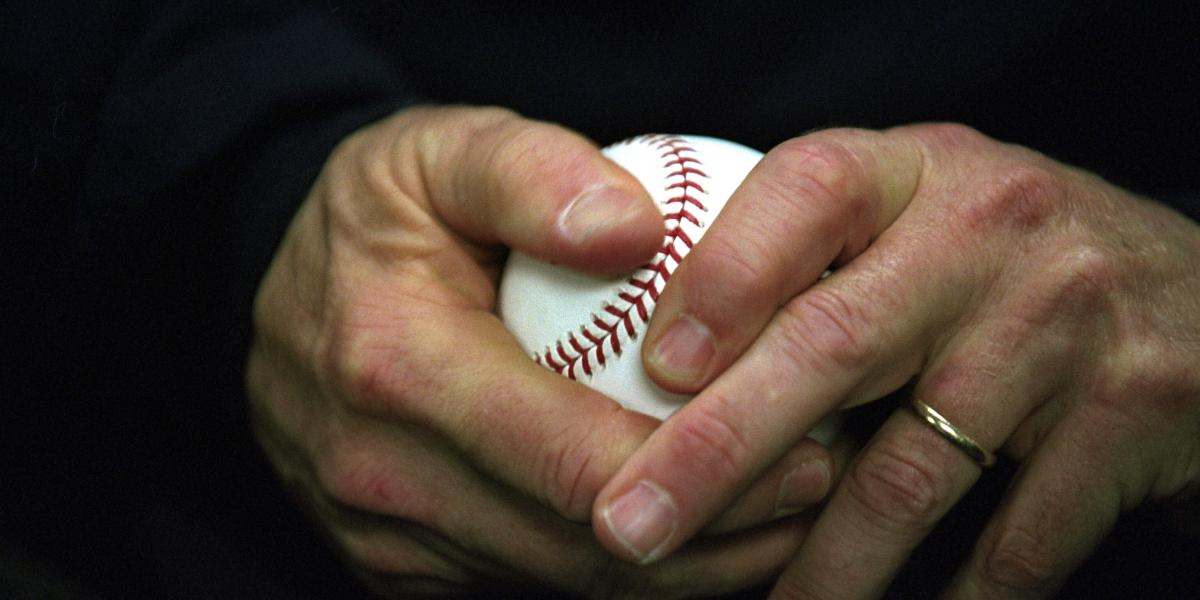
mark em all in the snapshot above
pixel 392 400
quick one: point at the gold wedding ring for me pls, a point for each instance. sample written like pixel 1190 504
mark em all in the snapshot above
pixel 953 434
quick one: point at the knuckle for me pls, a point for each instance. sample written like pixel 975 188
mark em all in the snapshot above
pixel 343 473
pixel 525 152
pixel 1024 196
pixel 361 156
pixel 897 487
pixel 826 181
pixel 825 325
pixel 520 147
pixel 474 430
pixel 1084 273
pixel 349 475
pixel 968 376
pixel 1021 559
pixel 818 174
pixel 485 124
pixel 739 264
pixel 364 368
pixel 363 373
pixel 348 365
pixel 1153 379
pixel 712 445
pixel 571 475
pixel 1074 284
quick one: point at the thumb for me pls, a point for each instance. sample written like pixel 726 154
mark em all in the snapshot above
pixel 495 177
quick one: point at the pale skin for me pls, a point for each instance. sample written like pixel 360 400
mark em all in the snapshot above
pixel 435 453
pixel 1049 315
pixel 387 393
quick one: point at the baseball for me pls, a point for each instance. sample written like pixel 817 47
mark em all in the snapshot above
pixel 589 328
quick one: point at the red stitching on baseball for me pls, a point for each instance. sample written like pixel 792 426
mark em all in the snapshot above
pixel 601 335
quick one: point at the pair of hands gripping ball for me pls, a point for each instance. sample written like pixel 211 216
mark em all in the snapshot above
pixel 589 328
pixel 396 404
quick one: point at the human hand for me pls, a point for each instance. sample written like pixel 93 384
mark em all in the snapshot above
pixel 1044 312
pixel 398 408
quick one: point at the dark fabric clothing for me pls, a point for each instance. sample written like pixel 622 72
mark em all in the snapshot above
pixel 154 154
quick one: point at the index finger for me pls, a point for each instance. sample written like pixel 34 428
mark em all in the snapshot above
pixel 810 202
pixel 807 361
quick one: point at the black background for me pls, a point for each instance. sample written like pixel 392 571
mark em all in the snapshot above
pixel 153 154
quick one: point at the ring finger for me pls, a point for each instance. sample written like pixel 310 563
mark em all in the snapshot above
pixel 910 474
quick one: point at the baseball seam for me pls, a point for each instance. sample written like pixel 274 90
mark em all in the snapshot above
pixel 588 350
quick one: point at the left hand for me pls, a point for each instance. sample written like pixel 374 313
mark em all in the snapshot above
pixel 437 457
pixel 1047 314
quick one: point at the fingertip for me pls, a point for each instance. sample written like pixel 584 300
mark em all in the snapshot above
pixel 598 208
pixel 640 524
pixel 805 485
pixel 681 357
pixel 794 484
pixel 608 228
pixel 696 462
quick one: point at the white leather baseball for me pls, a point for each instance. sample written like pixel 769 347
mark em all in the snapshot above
pixel 590 328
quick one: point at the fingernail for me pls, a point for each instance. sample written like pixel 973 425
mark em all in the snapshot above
pixel 643 520
pixel 595 209
pixel 683 352
pixel 803 487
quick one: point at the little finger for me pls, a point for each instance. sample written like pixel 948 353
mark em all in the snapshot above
pixel 1063 502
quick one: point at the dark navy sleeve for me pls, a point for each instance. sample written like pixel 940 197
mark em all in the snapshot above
pixel 216 123
pixel 161 150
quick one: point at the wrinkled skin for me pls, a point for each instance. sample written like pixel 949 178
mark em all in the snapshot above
pixel 1049 315
pixel 395 405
